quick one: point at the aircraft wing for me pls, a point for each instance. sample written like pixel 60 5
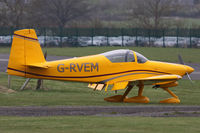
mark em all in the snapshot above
pixel 161 78
pixel 155 80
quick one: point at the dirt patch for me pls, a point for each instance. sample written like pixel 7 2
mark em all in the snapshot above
pixel 4 89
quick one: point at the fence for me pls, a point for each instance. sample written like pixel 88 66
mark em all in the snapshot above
pixel 110 37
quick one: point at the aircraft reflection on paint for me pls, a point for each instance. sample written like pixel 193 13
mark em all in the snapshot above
pixel 123 69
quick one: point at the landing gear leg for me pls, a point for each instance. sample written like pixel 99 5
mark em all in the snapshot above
pixel 174 98
pixel 139 98
pixel 119 98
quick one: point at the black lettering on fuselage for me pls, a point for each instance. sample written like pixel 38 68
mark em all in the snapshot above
pixel 61 68
pixel 84 67
pixel 79 67
pixel 87 67
pixel 72 67
pixel 94 67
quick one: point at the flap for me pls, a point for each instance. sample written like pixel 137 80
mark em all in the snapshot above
pixel 96 86
pixel 119 85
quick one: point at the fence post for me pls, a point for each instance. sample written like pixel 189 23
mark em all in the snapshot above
pixel 122 33
pixel 61 34
pixel 11 34
pixel 164 38
pixel 149 35
pixel 107 34
pixel 177 35
pixel 136 31
pixel 77 36
pixel 92 36
pixel 45 37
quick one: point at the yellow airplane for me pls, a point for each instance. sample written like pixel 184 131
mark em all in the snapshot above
pixel 123 69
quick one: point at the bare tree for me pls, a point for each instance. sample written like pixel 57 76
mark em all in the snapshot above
pixel 13 12
pixel 150 13
pixel 58 12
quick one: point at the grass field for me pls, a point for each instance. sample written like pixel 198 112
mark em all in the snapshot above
pixel 95 124
pixel 68 93
pixel 160 54
pixel 71 93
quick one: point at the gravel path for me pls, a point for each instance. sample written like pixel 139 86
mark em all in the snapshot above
pixel 148 111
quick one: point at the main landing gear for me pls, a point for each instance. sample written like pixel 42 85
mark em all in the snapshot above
pixel 140 98
pixel 124 98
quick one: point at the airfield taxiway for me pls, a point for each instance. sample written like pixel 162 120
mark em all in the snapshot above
pixel 141 110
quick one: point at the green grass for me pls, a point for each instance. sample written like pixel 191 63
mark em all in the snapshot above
pixel 69 93
pixel 97 124
pixel 73 94
pixel 160 54
pixel 4 50
pixel 191 22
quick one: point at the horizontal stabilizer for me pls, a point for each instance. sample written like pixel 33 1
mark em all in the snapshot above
pixel 38 65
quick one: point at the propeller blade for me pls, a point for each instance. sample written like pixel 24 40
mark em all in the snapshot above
pixel 181 59
pixel 182 62
pixel 189 78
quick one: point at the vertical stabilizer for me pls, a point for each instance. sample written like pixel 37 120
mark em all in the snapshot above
pixel 25 50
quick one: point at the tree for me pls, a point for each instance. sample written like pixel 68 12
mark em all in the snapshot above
pixel 59 12
pixel 150 13
pixel 12 12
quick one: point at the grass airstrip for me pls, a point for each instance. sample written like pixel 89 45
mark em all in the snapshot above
pixel 97 124
pixel 78 94
pixel 73 94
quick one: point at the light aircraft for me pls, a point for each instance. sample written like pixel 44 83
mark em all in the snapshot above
pixel 123 69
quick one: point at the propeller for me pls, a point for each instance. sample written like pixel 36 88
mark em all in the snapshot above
pixel 182 62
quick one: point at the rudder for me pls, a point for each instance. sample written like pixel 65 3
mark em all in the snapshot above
pixel 25 50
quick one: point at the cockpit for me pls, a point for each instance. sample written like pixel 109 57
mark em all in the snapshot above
pixel 124 55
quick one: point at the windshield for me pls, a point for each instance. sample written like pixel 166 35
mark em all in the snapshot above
pixel 120 56
pixel 141 58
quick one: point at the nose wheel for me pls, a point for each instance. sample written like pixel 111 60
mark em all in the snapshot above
pixel 174 98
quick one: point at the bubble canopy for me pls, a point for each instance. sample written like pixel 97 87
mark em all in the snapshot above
pixel 124 55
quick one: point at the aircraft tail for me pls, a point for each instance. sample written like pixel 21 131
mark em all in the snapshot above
pixel 25 51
